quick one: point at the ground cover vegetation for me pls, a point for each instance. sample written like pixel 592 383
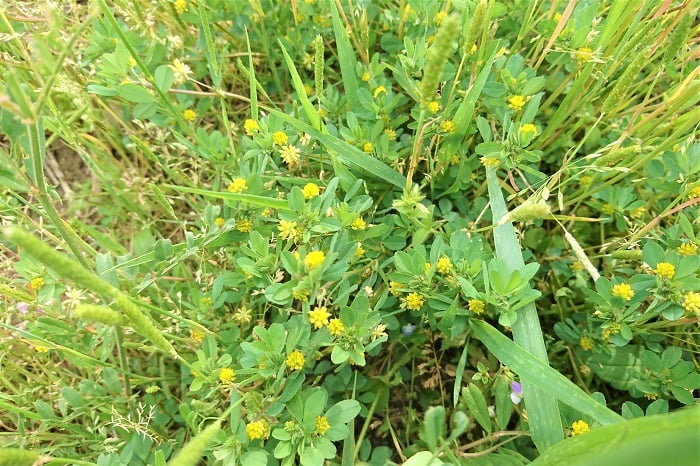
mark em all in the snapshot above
pixel 320 232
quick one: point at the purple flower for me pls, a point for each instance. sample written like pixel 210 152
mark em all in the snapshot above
pixel 408 329
pixel 22 307
pixel 516 392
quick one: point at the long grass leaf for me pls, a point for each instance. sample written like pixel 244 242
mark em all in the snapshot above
pixel 306 104
pixel 549 383
pixel 346 58
pixel 261 201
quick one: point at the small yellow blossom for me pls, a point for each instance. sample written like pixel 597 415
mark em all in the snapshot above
pixel 258 430
pixel 180 6
pixel 251 127
pixel 516 102
pixel 448 126
pixel 413 301
pixel 196 335
pixel 607 209
pixel 490 162
pixel 310 190
pixel 444 265
pixel 206 301
pixel 368 148
pixel 613 329
pixel 454 160
pixel 379 90
pixel 314 259
pixel 131 62
pixel 390 134
pixel 691 302
pixel 358 224
pixel 528 128
pixel 366 76
pixel 360 251
pixel 219 221
pixel 577 266
pixel 41 349
pixel 586 343
pixel 665 270
pixel 579 427
pixel 695 192
pixel 623 290
pixel 244 226
pixel 243 315
pixel 295 361
pixel 181 71
pixel 502 51
pixel 336 327
pixel 36 283
pixel 308 89
pixel 434 106
pixel 687 249
pixel 583 54
pixel 189 115
pixel 238 185
pixel 477 306
pixel 227 375
pixel 322 425
pixel 288 230
pixel 395 287
pixel 378 332
pixel 638 212
pixel 319 317
pixel 300 294
pixel 290 155
pixel 280 138
pixel 439 17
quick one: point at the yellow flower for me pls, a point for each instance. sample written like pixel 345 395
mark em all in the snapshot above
pixel 687 249
pixel 131 62
pixel 638 212
pixel 691 302
pixel 36 283
pixel 226 375
pixel 502 51
pixel 288 230
pixel 490 162
pixel 258 430
pixel 378 91
pixel 413 301
pixel 444 265
pixel 448 126
pixel 251 127
pixel 336 327
pixel 394 288
pixel 295 361
pixel 180 6
pixel 583 54
pixel 623 290
pixel 608 209
pixel 196 335
pixel 358 224
pixel 477 306
pixel 586 343
pixel 577 266
pixel 243 315
pixel 665 270
pixel 368 148
pixel 319 317
pixel 244 226
pixel 434 106
pixel 360 251
pixel 516 102
pixel 238 185
pixel 181 71
pixel 206 301
pixel 314 259
pixel 528 128
pixel 310 190
pixel 378 332
pixel 695 192
pixel 280 138
pixel 390 134
pixel 366 76
pixel 290 155
pixel 322 425
pixel 579 427
pixel 300 294
pixel 219 221
pixel 189 115
pixel 41 349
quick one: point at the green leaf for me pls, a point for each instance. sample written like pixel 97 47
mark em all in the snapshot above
pixel 423 458
pixel 260 201
pixel 306 104
pixel 433 428
pixel 136 94
pixel 554 385
pixel 648 441
pixel 346 58
pixel 477 405
pixel 164 78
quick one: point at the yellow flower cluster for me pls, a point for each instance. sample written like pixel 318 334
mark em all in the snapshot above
pixel 444 265
pixel 180 6
pixel 368 148
pixel 36 283
pixel 691 302
pixel 280 138
pixel 310 190
pixel 579 427
pixel 665 270
pixel 448 126
pixel 477 306
pixel 251 127
pixel 528 128
pixel 516 102
pixel 336 327
pixel 258 430
pixel 413 301
pixel 586 343
pixel 322 425
pixel 687 249
pixel 244 226
pixel 314 259
pixel 238 185
pixel 295 361
pixel 227 375
pixel 358 224
pixel 189 115
pixel 433 106
pixel 623 290
pixel 288 230
pixel 319 317
pixel 290 155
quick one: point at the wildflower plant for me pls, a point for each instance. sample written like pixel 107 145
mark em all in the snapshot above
pixel 344 233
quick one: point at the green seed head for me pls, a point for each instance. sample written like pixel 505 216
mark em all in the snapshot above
pixel 437 57
pixel 101 314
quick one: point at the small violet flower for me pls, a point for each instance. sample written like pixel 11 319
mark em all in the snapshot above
pixel 516 392
pixel 22 307
pixel 408 329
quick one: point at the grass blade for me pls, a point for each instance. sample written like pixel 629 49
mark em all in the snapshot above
pixel 549 383
pixel 306 104
pixel 346 58
pixel 260 201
